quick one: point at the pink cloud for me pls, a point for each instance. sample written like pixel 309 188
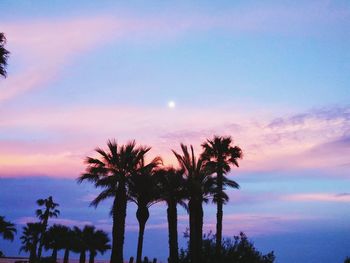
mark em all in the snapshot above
pixel 289 147
pixel 319 197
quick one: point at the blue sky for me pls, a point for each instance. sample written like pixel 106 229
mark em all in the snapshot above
pixel 274 75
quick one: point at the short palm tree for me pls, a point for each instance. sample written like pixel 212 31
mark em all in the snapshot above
pixel 171 183
pixel 68 241
pixel 110 172
pixel 4 54
pixel 80 245
pixel 96 241
pixel 30 238
pixel 54 238
pixel 220 156
pixel 49 210
pixel 144 191
pixel 199 186
pixel 7 229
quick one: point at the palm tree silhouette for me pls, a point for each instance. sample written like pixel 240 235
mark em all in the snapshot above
pixel 7 230
pixel 144 192
pixel 110 172
pixel 80 245
pixel 54 238
pixel 30 239
pixel 4 54
pixel 96 241
pixel 199 186
pixel 68 240
pixel 49 210
pixel 171 183
pixel 220 155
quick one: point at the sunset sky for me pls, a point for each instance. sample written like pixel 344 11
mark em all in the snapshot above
pixel 275 75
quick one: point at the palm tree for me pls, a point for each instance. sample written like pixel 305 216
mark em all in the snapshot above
pixel 80 245
pixel 55 238
pixel 30 239
pixel 4 54
pixel 96 241
pixel 198 186
pixel 144 192
pixel 68 240
pixel 220 155
pixel 171 183
pixel 7 230
pixel 49 210
pixel 110 172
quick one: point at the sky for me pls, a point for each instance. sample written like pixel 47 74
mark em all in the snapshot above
pixel 274 75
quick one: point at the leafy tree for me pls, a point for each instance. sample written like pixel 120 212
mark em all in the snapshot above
pixel 30 239
pixel 198 186
pixel 144 192
pixel 220 156
pixel 7 230
pixel 110 172
pixel 171 183
pixel 4 54
pixel 237 250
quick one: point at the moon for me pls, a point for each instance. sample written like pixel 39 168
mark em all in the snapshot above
pixel 171 104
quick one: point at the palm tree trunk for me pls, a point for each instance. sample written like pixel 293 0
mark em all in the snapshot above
pixel 66 256
pixel 172 226
pixel 193 232
pixel 82 257
pixel 118 231
pixel 41 243
pixel 54 254
pixel 199 231
pixel 142 215
pixel 92 256
pixel 219 216
pixel 32 255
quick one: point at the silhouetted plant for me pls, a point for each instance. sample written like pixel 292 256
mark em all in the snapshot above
pixel 4 54
pixel 7 230
pixel 198 186
pixel 96 241
pixel 49 210
pixel 236 250
pixel 220 155
pixel 144 191
pixel 171 183
pixel 55 239
pixel 30 239
pixel 347 260
pixel 110 173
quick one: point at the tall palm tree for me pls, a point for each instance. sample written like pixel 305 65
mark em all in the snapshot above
pixel 144 192
pixel 110 172
pixel 49 210
pixel 220 156
pixel 199 186
pixel 171 183
pixel 96 241
pixel 7 229
pixel 4 54
pixel 30 240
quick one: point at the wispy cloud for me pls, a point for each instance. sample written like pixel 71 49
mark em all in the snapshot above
pixel 46 46
pixel 319 197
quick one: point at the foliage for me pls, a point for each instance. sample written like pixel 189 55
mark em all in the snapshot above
pixel 347 260
pixel 4 54
pixel 7 229
pixel 236 250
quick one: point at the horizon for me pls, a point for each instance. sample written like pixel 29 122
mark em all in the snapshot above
pixel 274 76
